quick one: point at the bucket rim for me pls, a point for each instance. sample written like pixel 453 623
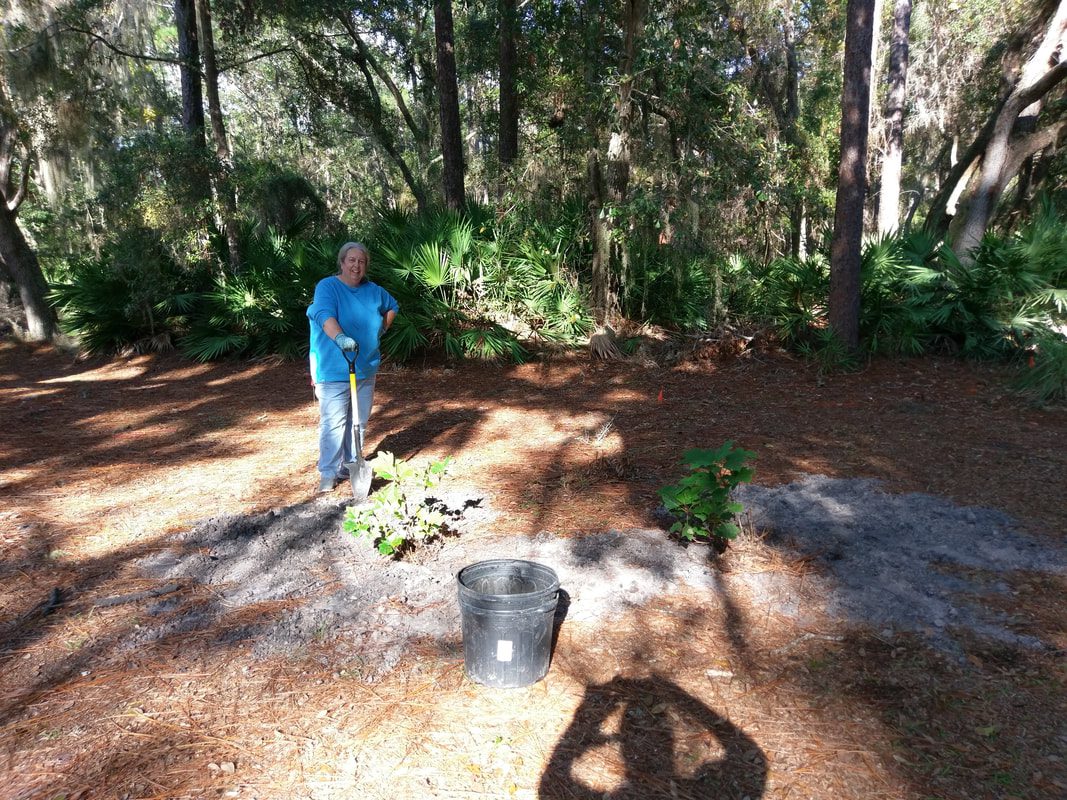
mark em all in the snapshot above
pixel 553 587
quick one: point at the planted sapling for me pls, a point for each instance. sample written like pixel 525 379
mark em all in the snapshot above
pixel 700 501
pixel 399 514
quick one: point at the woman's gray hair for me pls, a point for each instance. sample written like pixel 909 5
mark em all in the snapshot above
pixel 351 246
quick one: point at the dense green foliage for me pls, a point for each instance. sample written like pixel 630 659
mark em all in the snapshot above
pixel 262 310
pixel 129 297
pixel 688 150
pixel 918 298
pixel 476 287
pixel 467 285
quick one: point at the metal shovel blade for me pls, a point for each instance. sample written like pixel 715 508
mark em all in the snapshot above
pixel 359 475
pixel 359 471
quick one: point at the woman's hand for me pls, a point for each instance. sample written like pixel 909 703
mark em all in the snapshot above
pixel 346 342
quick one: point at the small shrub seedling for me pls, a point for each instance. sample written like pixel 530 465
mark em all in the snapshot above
pixel 700 501
pixel 399 514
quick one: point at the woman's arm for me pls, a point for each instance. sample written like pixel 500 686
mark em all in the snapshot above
pixel 324 309
pixel 331 327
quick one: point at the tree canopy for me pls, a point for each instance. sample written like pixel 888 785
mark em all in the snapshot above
pixel 667 148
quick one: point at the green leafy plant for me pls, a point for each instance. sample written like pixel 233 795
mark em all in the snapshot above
pixel 700 501
pixel 471 286
pixel 399 515
pixel 792 292
pixel 829 354
pixel 260 311
pixel 919 296
pixel 125 299
pixel 1043 378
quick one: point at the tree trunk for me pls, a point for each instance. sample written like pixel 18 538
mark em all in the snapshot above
pixel 619 146
pixel 846 249
pixel 223 182
pixel 509 98
pixel 782 97
pixel 602 284
pixel 943 206
pixel 1032 175
pixel 789 128
pixel 1000 156
pixel 192 85
pixel 19 267
pixel 889 196
pixel 418 131
pixel 448 100
pixel 617 180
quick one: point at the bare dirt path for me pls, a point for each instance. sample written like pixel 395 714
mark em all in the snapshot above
pixel 691 694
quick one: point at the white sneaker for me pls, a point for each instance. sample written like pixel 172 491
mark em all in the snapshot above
pixel 326 483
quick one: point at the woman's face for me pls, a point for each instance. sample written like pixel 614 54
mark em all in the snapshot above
pixel 354 266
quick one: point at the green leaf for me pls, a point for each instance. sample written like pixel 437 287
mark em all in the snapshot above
pixel 668 494
pixel 706 458
pixel 737 458
pixel 744 475
pixel 687 495
pixel 385 466
pixel 727 530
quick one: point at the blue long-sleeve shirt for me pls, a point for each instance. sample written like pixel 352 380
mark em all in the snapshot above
pixel 359 311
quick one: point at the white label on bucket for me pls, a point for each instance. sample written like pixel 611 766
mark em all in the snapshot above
pixel 503 650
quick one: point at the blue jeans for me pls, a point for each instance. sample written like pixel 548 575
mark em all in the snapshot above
pixel 335 421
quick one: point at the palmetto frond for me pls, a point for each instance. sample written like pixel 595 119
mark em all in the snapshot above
pixel 1043 374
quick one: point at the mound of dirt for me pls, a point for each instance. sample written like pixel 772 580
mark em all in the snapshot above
pixel 897 562
pixel 911 562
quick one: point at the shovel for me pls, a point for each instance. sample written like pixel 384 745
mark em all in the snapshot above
pixel 359 471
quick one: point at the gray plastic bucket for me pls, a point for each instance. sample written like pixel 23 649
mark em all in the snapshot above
pixel 507 608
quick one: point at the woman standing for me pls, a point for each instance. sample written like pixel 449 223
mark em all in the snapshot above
pixel 349 314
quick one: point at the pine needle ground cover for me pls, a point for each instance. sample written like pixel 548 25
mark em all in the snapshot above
pixel 104 461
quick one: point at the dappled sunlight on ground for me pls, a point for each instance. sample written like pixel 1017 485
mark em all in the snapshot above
pixel 718 692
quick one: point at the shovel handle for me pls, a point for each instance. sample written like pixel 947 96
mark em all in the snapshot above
pixel 351 359
pixel 357 442
pixel 351 368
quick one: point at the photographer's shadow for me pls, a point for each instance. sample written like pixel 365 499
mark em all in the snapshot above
pixel 651 740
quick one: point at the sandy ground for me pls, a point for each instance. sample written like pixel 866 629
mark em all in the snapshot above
pixel 182 618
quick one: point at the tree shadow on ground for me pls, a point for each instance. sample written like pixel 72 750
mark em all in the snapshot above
pixel 211 398
pixel 992 728
pixel 99 632
pixel 452 429
pixel 656 741
pixel 60 418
